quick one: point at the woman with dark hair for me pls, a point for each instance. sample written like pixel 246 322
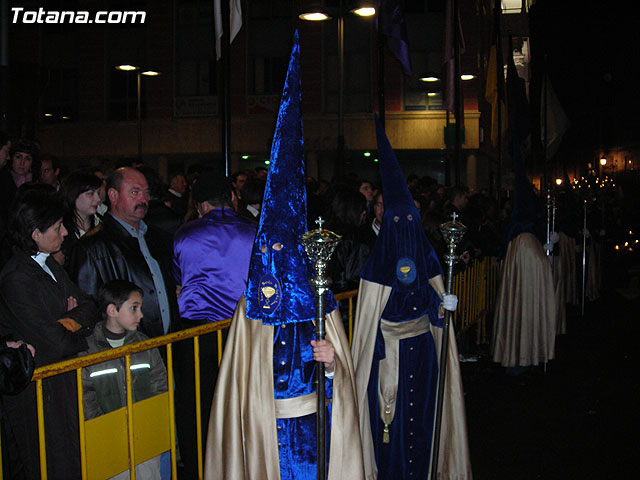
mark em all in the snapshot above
pixel 348 212
pixel 80 193
pixel 51 313
pixel 24 160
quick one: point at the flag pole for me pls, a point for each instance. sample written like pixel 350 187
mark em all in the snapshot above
pixel 381 86
pixel 545 106
pixel 499 77
pixel 225 95
pixel 447 164
pixel 458 104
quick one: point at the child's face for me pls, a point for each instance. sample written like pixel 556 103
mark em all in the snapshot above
pixel 130 313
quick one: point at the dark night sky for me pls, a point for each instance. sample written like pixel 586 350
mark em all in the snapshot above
pixel 593 57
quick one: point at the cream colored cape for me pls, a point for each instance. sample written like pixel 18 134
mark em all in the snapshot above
pixel 524 324
pixel 564 278
pixel 454 461
pixel 593 271
pixel 242 441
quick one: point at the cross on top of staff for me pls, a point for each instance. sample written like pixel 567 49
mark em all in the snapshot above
pixel 454 215
pixel 320 222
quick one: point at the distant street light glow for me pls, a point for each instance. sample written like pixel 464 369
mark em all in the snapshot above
pixel 365 11
pixel 558 181
pixel 314 16
pixel 429 79
pixel 467 77
pixel 367 154
pixel 603 161
pixel 126 68
pixel 150 73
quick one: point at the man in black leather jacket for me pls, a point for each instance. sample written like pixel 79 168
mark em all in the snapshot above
pixel 122 247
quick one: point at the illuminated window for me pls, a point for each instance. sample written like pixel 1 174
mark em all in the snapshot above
pixel 515 6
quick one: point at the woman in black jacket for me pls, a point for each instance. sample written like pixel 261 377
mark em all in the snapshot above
pixel 51 313
pixel 80 194
pixel 348 212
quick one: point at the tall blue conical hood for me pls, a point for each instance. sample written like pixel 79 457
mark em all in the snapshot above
pixel 523 215
pixel 278 290
pixel 402 256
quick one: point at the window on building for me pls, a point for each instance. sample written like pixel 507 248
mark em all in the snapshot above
pixel 357 64
pixel 196 66
pixel 419 95
pixel 267 75
pixel 271 9
pixel 515 6
pixel 270 38
pixel 60 101
pixel 123 96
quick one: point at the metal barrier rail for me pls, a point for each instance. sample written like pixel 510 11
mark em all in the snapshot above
pixel 476 288
pixel 126 351
pixel 349 295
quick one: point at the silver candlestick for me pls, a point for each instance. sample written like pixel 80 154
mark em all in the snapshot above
pixel 319 245
pixel 453 232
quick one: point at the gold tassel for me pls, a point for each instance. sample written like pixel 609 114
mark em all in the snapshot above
pixel 387 418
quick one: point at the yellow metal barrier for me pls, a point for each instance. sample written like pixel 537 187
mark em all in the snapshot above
pixel 349 295
pixel 476 288
pixel 143 414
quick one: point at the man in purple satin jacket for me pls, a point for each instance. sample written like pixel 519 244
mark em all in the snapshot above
pixel 211 264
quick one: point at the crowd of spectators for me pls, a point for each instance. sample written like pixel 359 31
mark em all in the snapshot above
pixel 64 235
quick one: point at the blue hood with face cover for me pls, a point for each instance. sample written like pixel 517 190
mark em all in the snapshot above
pixel 278 290
pixel 402 257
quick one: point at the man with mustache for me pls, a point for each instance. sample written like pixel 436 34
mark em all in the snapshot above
pixel 123 247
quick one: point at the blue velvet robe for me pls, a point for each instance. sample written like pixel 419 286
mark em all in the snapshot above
pixel 294 373
pixel 407 455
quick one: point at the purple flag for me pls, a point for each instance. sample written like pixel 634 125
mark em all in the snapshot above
pixel 391 23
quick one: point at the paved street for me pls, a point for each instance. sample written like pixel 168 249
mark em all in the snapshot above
pixel 577 420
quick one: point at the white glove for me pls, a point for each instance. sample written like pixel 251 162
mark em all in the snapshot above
pixel 554 237
pixel 548 247
pixel 450 302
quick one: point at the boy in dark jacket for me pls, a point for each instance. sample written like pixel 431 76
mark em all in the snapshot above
pixel 104 384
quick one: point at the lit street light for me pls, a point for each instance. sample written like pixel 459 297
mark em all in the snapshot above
pixel 363 9
pixel 139 73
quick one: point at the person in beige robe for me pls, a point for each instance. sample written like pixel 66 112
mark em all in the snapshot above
pixel 242 434
pixel 524 324
pixel 263 415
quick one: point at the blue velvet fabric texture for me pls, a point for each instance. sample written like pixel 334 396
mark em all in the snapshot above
pixel 284 217
pixel 296 376
pixel 293 376
pixel 523 216
pixel 401 237
pixel 407 456
pixel 298 459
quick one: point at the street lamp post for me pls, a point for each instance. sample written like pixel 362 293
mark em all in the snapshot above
pixel 139 72
pixel 321 14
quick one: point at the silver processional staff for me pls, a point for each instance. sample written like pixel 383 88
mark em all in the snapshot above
pixel 319 245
